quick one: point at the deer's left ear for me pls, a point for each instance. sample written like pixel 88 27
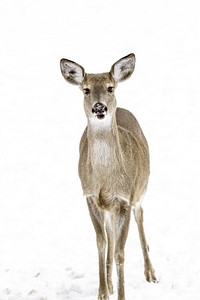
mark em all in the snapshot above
pixel 72 71
pixel 123 68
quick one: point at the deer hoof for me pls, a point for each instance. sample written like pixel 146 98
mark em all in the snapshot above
pixel 103 297
pixel 150 275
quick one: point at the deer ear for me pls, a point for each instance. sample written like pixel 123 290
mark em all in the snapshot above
pixel 72 71
pixel 123 68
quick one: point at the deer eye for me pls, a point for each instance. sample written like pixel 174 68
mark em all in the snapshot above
pixel 110 89
pixel 86 91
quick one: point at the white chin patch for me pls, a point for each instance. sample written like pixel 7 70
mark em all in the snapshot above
pixel 100 121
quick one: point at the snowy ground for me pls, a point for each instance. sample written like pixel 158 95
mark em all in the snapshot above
pixel 47 249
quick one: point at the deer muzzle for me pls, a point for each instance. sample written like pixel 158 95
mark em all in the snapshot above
pixel 99 110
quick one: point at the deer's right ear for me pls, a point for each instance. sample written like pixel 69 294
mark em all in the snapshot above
pixel 72 71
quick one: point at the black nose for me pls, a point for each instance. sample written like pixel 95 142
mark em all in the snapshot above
pixel 99 109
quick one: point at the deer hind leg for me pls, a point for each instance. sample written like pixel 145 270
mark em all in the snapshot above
pixel 122 222
pixel 97 217
pixel 148 271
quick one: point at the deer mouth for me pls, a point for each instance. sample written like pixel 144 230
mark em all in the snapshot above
pixel 100 116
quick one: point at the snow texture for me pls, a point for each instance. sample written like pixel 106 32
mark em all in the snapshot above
pixel 48 249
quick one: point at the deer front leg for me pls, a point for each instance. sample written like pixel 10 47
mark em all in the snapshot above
pixel 121 232
pixel 110 249
pixel 148 269
pixel 97 217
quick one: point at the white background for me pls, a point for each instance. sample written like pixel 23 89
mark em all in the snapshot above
pixel 47 242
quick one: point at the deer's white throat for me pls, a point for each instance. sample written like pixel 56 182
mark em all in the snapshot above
pixel 101 148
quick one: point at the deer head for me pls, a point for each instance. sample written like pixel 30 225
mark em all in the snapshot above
pixel 98 89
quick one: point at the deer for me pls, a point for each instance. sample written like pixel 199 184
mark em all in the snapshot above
pixel 113 168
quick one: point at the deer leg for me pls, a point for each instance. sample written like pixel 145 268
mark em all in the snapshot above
pixel 97 217
pixel 148 271
pixel 121 231
pixel 110 251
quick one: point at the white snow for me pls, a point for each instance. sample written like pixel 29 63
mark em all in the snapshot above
pixel 47 241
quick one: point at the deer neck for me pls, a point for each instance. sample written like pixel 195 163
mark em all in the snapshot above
pixel 103 142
